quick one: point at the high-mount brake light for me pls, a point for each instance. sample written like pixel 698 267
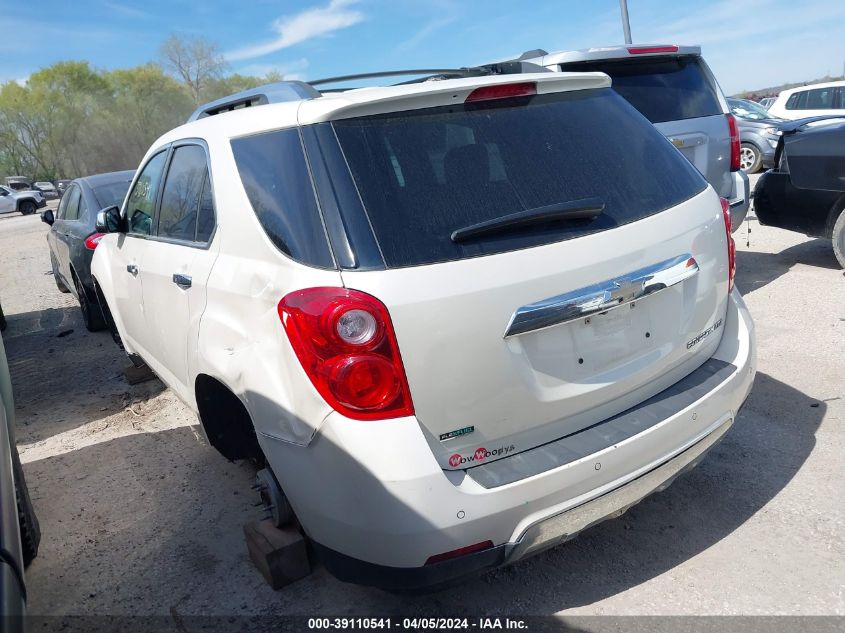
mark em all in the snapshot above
pixel 457 553
pixel 735 144
pixel 644 50
pixel 502 91
pixel 92 240
pixel 726 215
pixel 345 341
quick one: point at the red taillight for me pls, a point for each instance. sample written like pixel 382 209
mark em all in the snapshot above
pixel 644 50
pixel 92 240
pixel 502 91
pixel 455 553
pixel 346 344
pixel 726 213
pixel 734 131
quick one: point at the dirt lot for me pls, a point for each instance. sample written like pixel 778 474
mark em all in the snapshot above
pixel 140 516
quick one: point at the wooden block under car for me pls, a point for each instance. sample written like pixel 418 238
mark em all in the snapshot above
pixel 279 554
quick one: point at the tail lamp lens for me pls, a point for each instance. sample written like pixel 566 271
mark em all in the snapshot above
pixel 726 215
pixel 345 341
pixel 92 240
pixel 735 144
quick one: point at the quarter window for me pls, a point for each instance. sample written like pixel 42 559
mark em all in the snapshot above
pixel 141 203
pixel 183 199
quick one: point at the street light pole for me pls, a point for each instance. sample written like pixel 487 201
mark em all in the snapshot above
pixel 626 24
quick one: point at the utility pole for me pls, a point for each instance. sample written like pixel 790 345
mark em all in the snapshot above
pixel 626 24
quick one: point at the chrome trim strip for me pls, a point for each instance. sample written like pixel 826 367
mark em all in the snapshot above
pixel 602 296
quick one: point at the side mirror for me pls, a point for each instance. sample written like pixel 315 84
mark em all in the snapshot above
pixel 47 217
pixel 109 221
pixel 3 192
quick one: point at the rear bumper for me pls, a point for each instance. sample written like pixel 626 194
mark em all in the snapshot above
pixel 377 504
pixel 740 200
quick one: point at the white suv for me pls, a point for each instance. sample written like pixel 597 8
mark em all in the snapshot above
pixel 462 319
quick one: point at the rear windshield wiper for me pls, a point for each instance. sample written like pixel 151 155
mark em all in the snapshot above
pixel 583 209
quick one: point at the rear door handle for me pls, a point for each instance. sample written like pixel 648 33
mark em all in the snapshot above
pixel 183 281
pixel 132 269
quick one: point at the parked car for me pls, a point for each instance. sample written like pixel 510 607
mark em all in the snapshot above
pixel 20 533
pixel 461 320
pixel 673 87
pixel 24 202
pixel 18 183
pixel 62 185
pixel 73 237
pixel 759 133
pixel 765 102
pixel 47 189
pixel 809 101
pixel 805 192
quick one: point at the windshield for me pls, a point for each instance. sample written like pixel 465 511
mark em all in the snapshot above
pixel 111 194
pixel 424 174
pixel 749 110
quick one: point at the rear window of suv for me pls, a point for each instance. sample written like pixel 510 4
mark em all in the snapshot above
pixel 662 89
pixel 423 174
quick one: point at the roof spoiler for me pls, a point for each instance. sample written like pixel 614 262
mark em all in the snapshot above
pixel 277 92
pixel 285 91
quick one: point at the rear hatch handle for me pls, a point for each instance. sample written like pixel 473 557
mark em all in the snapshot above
pixel 602 296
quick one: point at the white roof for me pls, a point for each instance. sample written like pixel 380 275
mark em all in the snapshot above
pixel 827 84
pixel 599 53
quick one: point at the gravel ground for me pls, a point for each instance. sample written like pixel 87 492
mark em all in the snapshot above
pixel 140 516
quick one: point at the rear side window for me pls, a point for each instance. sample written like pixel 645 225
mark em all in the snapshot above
pixel 71 211
pixel 183 190
pixel 662 89
pixel 423 174
pixel 276 179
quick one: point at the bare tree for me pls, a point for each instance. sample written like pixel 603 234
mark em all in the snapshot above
pixel 194 60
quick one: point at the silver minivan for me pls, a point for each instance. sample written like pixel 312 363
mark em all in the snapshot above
pixel 673 88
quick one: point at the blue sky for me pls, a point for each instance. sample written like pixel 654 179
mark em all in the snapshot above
pixel 749 44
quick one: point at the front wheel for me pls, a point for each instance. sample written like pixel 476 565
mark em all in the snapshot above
pixel 27 207
pixel 91 313
pixel 27 521
pixel 839 239
pixel 750 158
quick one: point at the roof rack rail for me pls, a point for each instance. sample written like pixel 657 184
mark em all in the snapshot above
pixel 431 72
pixel 269 93
pixel 502 68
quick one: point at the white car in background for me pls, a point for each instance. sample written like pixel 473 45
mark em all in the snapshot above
pixel 810 101
pixel 462 319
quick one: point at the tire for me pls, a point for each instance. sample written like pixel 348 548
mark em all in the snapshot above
pixel 838 238
pixel 28 522
pixel 59 283
pixel 27 207
pixel 91 313
pixel 750 158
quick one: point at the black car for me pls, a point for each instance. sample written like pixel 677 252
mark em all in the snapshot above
pixel 19 530
pixel 73 237
pixel 759 133
pixel 805 192
pixel 62 185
